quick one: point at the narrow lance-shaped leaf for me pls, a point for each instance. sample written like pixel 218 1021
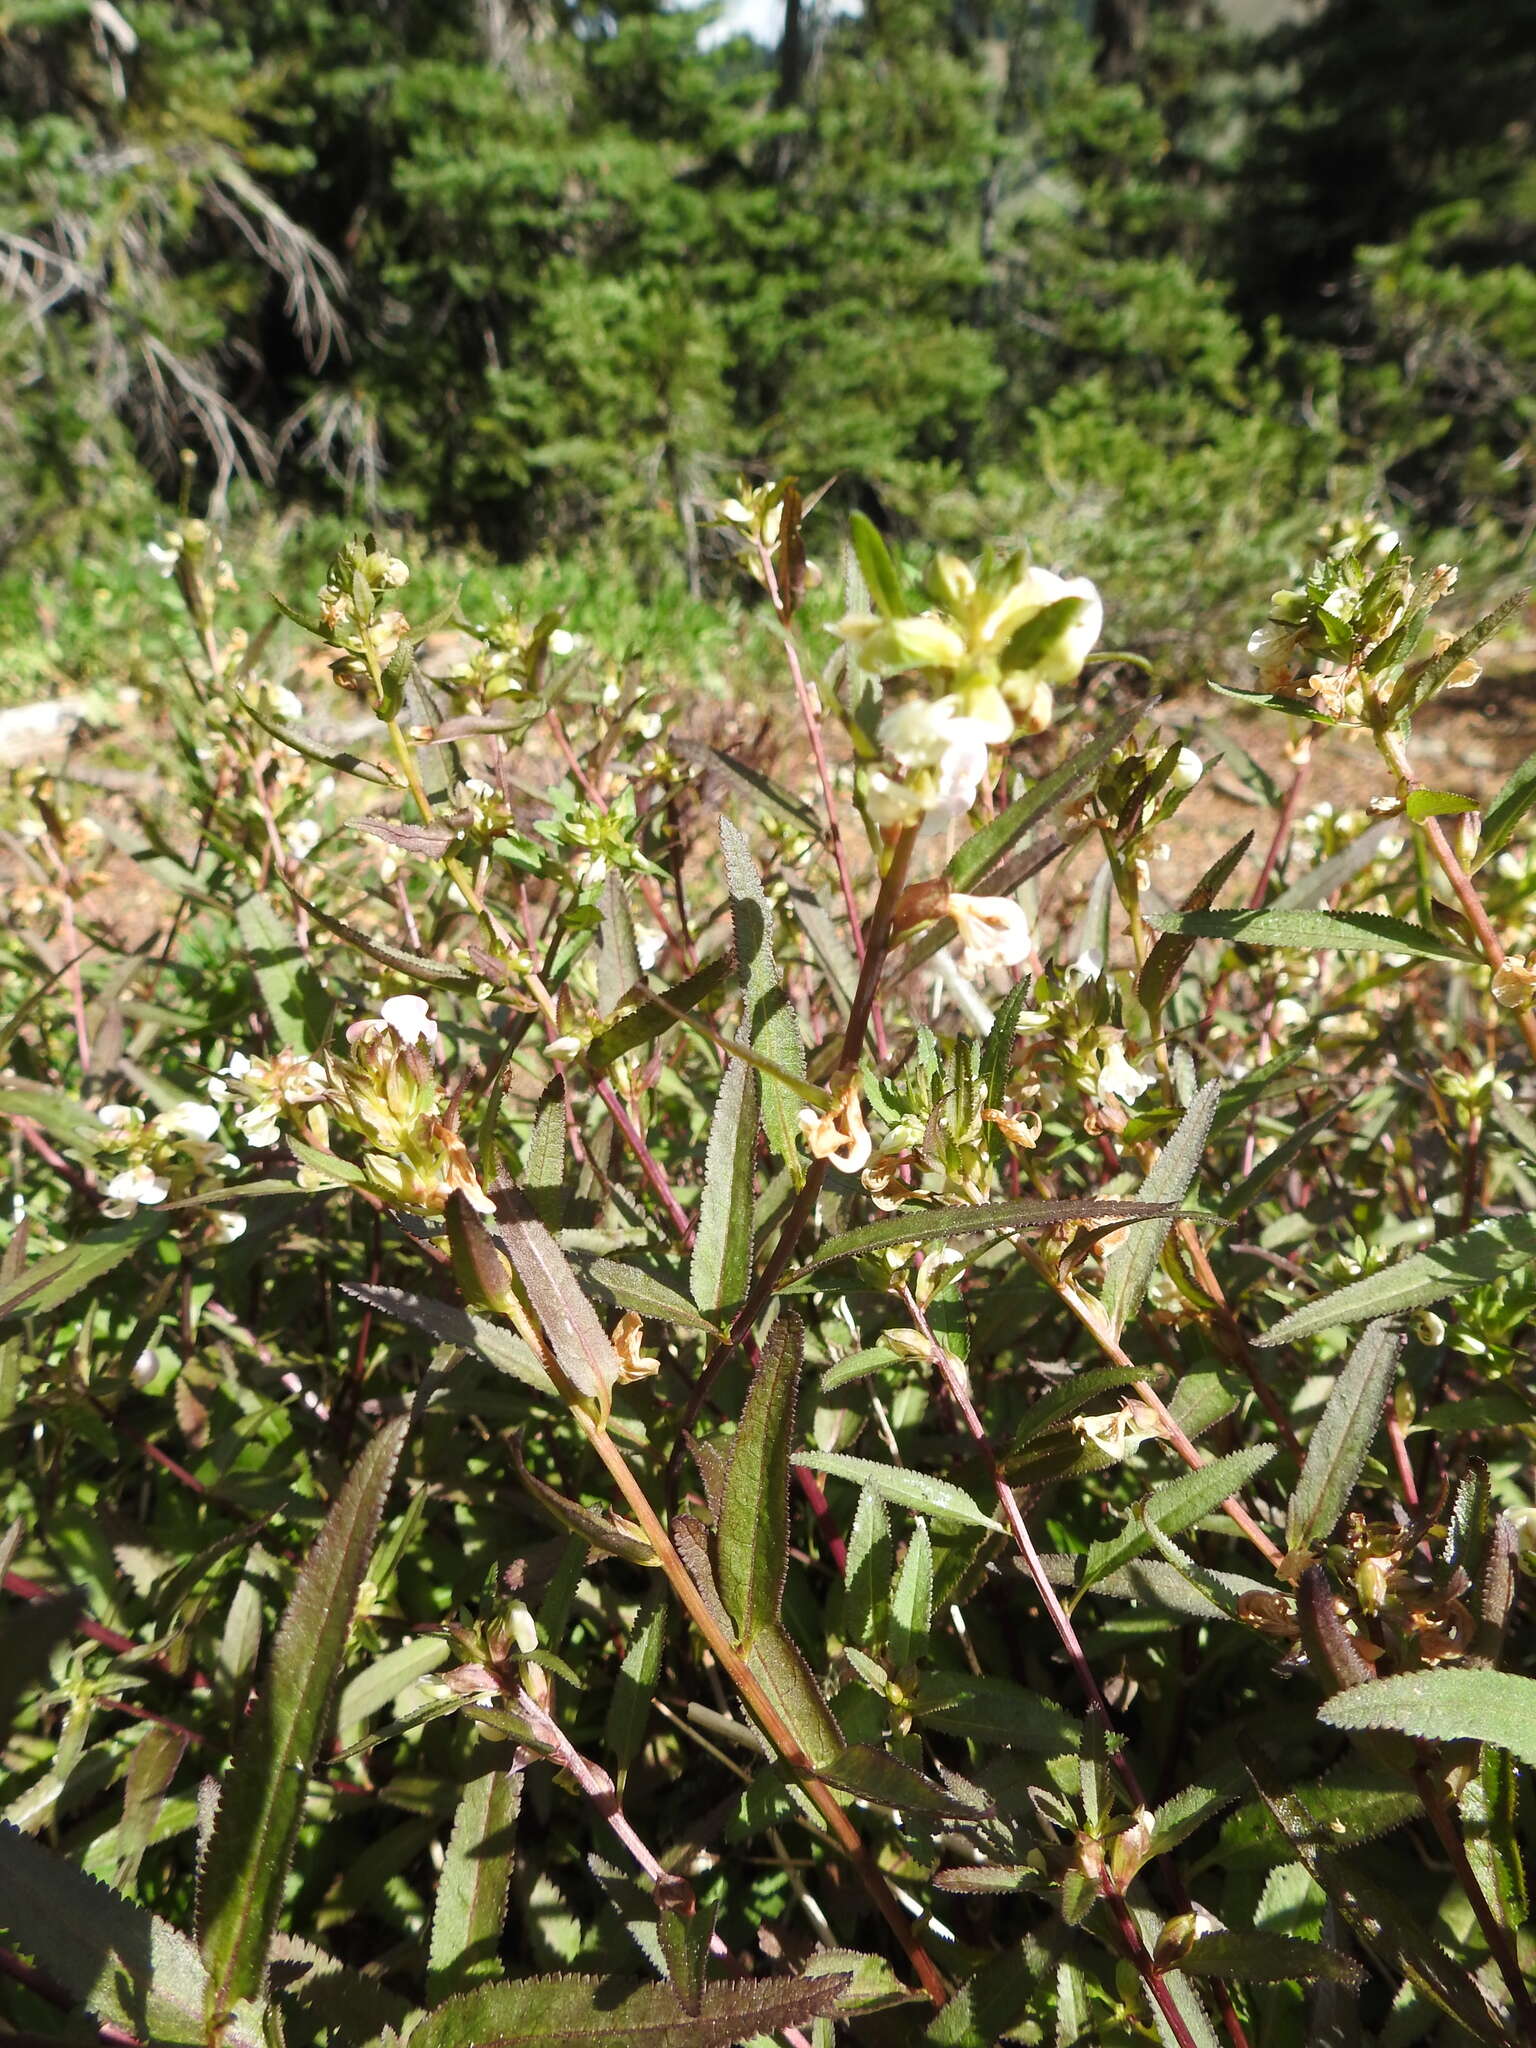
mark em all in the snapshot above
pixel 618 959
pixel 580 1344
pixel 635 1685
pixel 49 1282
pixel 1176 1506
pixel 572 2012
pixel 879 571
pixel 752 1541
pixel 912 1599
pixel 263 1793
pixel 290 989
pixel 1165 962
pixel 916 1490
pixel 1456 1265
pixel 470 1908
pixel 721 1268
pixel 964 1220
pixel 648 1296
pixel 1129 1271
pixel 1445 1705
pixel 1312 931
pixel 122 1964
pixel 1341 1438
pixel 773 1029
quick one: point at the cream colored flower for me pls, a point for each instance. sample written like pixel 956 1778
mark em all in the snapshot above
pixel 628 1334
pixel 1118 1077
pixel 994 932
pixel 136 1187
pixel 838 1134
pixel 1514 983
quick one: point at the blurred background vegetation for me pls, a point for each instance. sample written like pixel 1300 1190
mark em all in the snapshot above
pixel 1158 284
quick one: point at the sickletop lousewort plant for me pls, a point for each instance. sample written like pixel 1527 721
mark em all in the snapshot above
pixel 880 1405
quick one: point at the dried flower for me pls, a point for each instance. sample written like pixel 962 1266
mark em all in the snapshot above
pixel 837 1134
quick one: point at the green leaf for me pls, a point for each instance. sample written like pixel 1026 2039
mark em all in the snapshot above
pixel 876 1775
pixel 1312 931
pixel 752 1540
pixel 1445 1705
pixel 878 570
pixel 649 1020
pixel 450 1324
pixel 51 1281
pixel 1503 815
pixel 1175 1506
pixel 720 1271
pixel 972 863
pixel 995 1710
pixel 1128 1272
pixel 618 961
pixel 648 1296
pixel 1247 1191
pixel 1337 1447
pixel 912 1599
pixel 1417 687
pixel 124 1965
pixel 1254 1958
pixel 570 2012
pixel 752 783
pixel 291 994
pixel 1054 1408
pixel 966 1221
pixel 1165 962
pixel 918 1491
pixel 470 1907
pixel 262 1797
pixel 1437 803
pixel 634 1685
pixel 1329 876
pixel 1456 1265
pixel 578 1340
pixel 595 1527
pixel 410 966
pixel 773 1030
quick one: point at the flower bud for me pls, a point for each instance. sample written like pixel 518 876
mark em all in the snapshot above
pixel 483 1273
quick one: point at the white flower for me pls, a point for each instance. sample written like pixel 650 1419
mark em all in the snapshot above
pixel 136 1187
pixel 119 1116
pixel 410 1019
pixel 1118 1077
pixel 650 944
pixel 167 556
pixel 258 1125
pixel 1062 661
pixel 1088 965
pixel 891 803
pixel 562 642
pixel 1187 769
pixel 994 931
pixel 914 731
pixel 1290 1015
pixel 301 837
pixel 189 1120
pixel 228 1225
pixel 961 770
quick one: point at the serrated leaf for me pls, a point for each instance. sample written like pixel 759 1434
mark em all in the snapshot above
pixel 122 1963
pixel 773 1030
pixel 995 1710
pixel 569 2012
pixel 618 959
pixel 291 994
pixel 450 1324
pixel 1254 1958
pixel 1455 1265
pixel 912 1599
pixel 262 1797
pixel 752 783
pixel 1417 688
pixel 49 1282
pixel 649 1020
pixel 915 1490
pixel 1128 1271
pixel 1445 1705
pixel 593 1526
pixel 976 860
pixel 634 1684
pixel 1175 1506
pixel 720 1271
pixel 580 1344
pixel 878 570
pixel 470 1908
pixel 752 1540
pixel 874 1774
pixel 418 967
pixel 1437 803
pixel 1341 1438
pixel 648 1296
pixel 1509 806
pixel 968 1221
pixel 1312 931
pixel 1165 962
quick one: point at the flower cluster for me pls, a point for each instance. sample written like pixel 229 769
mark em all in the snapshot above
pixel 164 1158
pixel 1001 637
